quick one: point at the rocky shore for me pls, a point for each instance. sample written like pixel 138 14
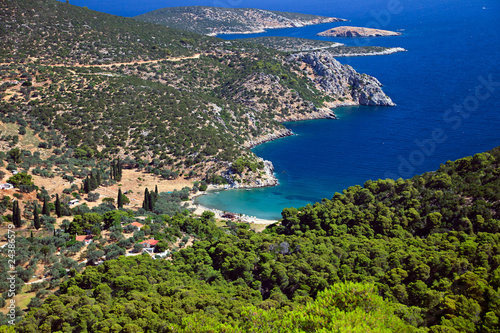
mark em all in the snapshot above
pixel 357 32
pixel 366 54
pixel 268 137
pixel 262 25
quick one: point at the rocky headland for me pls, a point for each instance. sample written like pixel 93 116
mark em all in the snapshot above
pixel 356 32
pixel 364 51
pixel 342 81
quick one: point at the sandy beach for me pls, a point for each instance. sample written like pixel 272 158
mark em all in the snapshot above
pixel 199 209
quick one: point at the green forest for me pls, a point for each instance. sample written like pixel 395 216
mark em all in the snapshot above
pixel 421 254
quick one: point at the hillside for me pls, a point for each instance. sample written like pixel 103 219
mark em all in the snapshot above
pixel 51 32
pixel 97 86
pixel 217 20
pixel 293 44
pixel 428 245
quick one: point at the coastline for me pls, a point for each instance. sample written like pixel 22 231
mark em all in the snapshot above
pixel 385 52
pixel 284 26
pixel 199 209
pixel 321 65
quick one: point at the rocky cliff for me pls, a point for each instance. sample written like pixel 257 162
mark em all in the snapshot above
pixel 341 81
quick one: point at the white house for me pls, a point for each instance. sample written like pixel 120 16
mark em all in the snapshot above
pixel 6 186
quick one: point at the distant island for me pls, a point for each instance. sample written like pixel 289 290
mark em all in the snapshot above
pixel 214 21
pixel 356 32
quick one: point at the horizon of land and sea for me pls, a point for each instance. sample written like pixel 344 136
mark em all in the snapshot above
pixel 430 84
pixel 409 255
pixel 440 69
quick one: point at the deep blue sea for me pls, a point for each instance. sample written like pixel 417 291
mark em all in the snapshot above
pixel 447 90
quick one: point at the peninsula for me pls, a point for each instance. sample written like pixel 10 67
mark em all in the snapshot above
pixel 346 31
pixel 294 44
pixel 214 21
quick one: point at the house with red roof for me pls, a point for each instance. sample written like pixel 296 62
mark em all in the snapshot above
pixel 86 239
pixel 149 243
pixel 137 225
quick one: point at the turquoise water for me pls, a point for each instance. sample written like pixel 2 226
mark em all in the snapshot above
pixel 451 45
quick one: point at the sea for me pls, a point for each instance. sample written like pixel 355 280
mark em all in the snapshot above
pixel 446 87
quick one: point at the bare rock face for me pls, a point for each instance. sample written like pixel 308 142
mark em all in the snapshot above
pixel 342 81
pixel 357 32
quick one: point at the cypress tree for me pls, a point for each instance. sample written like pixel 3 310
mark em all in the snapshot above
pixel 156 189
pixel 98 178
pixel 118 171
pixel 145 203
pixel 36 218
pixel 86 185
pixel 120 199
pixel 112 170
pixel 58 206
pixel 14 221
pixel 16 215
pixel 92 182
pixel 45 208
pixel 151 201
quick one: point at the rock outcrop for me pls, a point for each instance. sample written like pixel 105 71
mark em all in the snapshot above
pixel 342 81
pixel 356 32
pixel 269 137
pixel 263 180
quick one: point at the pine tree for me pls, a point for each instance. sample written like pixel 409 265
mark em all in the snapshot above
pixel 58 206
pixel 45 208
pixel 36 218
pixel 120 199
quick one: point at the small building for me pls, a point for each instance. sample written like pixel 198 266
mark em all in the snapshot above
pixel 6 186
pixel 137 225
pixel 86 239
pixel 15 172
pixel 74 202
pixel 150 243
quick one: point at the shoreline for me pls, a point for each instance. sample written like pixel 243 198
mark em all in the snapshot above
pixel 388 51
pixel 261 30
pixel 199 209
